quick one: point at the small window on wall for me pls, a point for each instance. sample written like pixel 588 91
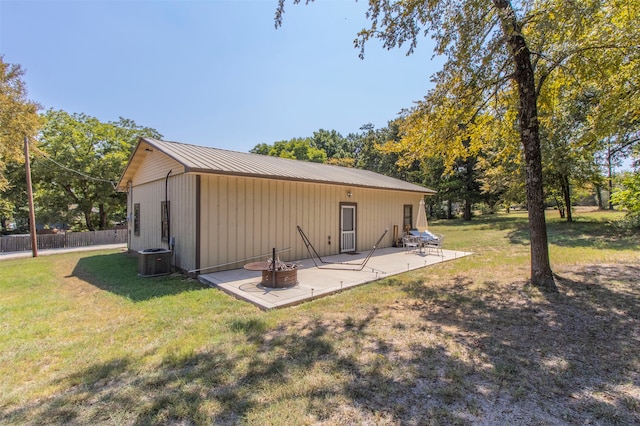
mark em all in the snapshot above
pixel 136 219
pixel 407 222
pixel 165 206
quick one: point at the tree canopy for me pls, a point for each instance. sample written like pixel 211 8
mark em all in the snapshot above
pixel 79 161
pixel 628 196
pixel 18 117
pixel 296 149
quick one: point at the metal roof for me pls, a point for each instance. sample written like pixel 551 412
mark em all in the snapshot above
pixel 207 160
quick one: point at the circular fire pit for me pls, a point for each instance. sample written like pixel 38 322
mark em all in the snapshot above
pixel 286 274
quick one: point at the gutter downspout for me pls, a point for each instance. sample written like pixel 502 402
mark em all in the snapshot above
pixel 130 215
pixel 167 209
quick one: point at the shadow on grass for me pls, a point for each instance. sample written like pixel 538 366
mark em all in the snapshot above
pixel 582 233
pixel 117 273
pixel 574 353
pixel 495 222
pixel 223 387
pixel 596 234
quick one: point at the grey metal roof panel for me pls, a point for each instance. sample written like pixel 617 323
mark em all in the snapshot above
pixel 214 160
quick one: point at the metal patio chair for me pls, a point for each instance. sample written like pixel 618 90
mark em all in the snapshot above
pixel 410 242
pixel 435 245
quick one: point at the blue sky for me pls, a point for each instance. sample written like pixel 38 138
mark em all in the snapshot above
pixel 214 73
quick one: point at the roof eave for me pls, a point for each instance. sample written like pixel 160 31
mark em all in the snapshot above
pixel 122 183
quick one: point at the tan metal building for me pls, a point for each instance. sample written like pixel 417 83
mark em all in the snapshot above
pixel 225 207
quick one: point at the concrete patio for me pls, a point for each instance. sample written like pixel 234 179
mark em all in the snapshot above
pixel 329 278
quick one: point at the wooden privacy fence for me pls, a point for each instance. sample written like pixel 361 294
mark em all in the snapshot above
pixel 10 243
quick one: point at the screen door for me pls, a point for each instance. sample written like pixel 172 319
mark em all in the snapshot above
pixel 347 228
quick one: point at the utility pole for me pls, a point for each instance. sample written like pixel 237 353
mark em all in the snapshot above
pixel 32 215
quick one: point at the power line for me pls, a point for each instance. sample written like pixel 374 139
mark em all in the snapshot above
pixel 46 156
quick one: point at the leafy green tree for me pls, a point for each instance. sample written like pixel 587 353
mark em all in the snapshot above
pixel 502 176
pixel 13 202
pixel 304 150
pixel 372 153
pixel 615 74
pixel 262 149
pixel 590 105
pixel 628 197
pixel 296 149
pixel 18 117
pixel 615 118
pixel 617 148
pixel 332 142
pixel 469 190
pixel 81 159
pixel 569 146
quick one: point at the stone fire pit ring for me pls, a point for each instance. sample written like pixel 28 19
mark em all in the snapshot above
pixel 286 274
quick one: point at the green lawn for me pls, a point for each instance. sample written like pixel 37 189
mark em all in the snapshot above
pixel 83 340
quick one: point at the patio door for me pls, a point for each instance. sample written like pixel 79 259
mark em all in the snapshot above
pixel 347 228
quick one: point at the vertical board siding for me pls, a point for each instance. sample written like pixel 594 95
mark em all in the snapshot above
pixel 233 201
pixel 149 196
pixel 246 217
pixel 181 195
pixel 260 241
pixel 154 166
pixel 220 213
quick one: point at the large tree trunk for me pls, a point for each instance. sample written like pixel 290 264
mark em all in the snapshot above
pixel 541 274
